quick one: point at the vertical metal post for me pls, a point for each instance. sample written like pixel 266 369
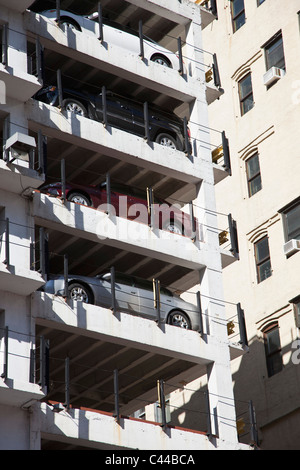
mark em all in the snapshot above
pixel 186 137
pixel 150 205
pixel 113 289
pixel 104 107
pixel 100 20
pixel 156 295
pixel 39 50
pixel 67 383
pixel 32 376
pixel 7 254
pixel 108 194
pixel 179 47
pixel 4 375
pixel 213 7
pixel 141 54
pixel 226 153
pixel 162 402
pixel 215 66
pixel 4 51
pixel 63 179
pixel 32 257
pixel 242 325
pixel 59 87
pixel 58 12
pixel 146 121
pixel 233 236
pixel 193 222
pixel 44 363
pixel 42 252
pixel 116 394
pixel 200 313
pixel 42 153
pixel 66 277
pixel 5 136
pixel 209 431
pixel 253 425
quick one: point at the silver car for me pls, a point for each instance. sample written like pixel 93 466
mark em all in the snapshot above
pixel 116 34
pixel 132 294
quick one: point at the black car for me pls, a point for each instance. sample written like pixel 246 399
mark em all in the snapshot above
pixel 165 128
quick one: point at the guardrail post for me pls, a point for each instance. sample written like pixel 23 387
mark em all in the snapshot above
pixel 146 121
pixel 4 374
pixel 44 364
pixel 116 394
pixel 193 222
pixel 39 51
pixel 156 294
pixel 215 67
pixel 242 325
pixel 179 47
pixel 141 54
pixel 7 252
pixel 162 402
pixel 209 429
pixel 200 313
pixel 63 179
pixel 67 383
pixel 59 87
pixel 233 236
pixel 32 374
pixel 226 153
pixel 253 425
pixel 113 289
pixel 186 137
pixel 66 277
pixel 58 12
pixel 108 194
pixel 104 107
pixel 150 205
pixel 100 21
pixel 4 51
pixel 42 153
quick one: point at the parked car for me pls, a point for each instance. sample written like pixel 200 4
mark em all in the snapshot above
pixel 126 114
pixel 132 294
pixel 117 34
pixel 169 217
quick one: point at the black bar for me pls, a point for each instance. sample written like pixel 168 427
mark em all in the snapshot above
pixel 150 207
pixel 39 60
pixel 116 394
pixel 66 277
pixel 31 256
pixel 186 137
pixel 213 7
pixel 141 54
pixel 233 236
pixel 4 375
pixel 162 402
pixel 59 87
pixel 242 325
pixel 215 66
pixel 226 153
pixel 104 107
pixel 42 153
pixel 32 366
pixel 7 255
pixel 209 431
pixel 44 364
pixel 156 293
pixel 58 12
pixel 200 313
pixel 63 179
pixel 146 121
pixel 42 252
pixel 5 44
pixel 113 289
pixel 5 136
pixel 67 383
pixel 253 425
pixel 108 193
pixel 193 222
pixel 179 46
pixel 100 21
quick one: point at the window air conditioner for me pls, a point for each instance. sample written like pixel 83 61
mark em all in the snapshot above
pixel 272 75
pixel 291 247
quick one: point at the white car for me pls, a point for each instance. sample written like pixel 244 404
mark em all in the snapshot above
pixel 116 34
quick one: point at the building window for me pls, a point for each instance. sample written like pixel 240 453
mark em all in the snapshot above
pixel 238 14
pixel 292 222
pixel 262 259
pixel 253 175
pixel 246 94
pixel 273 349
pixel 274 53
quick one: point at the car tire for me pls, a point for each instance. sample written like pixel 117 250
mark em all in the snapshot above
pixel 79 198
pixel 75 107
pixel 167 140
pixel 179 319
pixel 162 60
pixel 80 292
pixel 174 227
pixel 70 23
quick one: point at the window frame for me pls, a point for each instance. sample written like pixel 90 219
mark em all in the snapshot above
pixel 285 212
pixel 244 98
pixel 271 42
pixel 260 262
pixel 250 179
pixel 272 355
pixel 234 18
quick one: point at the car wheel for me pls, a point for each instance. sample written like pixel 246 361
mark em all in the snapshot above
pixel 70 23
pixel 162 60
pixel 79 199
pixel 75 107
pixel 180 319
pixel 174 227
pixel 166 140
pixel 80 293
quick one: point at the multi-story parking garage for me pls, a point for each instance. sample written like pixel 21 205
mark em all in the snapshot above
pixel 74 369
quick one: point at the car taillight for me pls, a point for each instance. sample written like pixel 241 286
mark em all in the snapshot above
pixel 188 132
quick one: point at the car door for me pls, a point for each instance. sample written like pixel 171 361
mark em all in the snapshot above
pixel 126 293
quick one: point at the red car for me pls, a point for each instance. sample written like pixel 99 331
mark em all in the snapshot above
pixel 127 202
